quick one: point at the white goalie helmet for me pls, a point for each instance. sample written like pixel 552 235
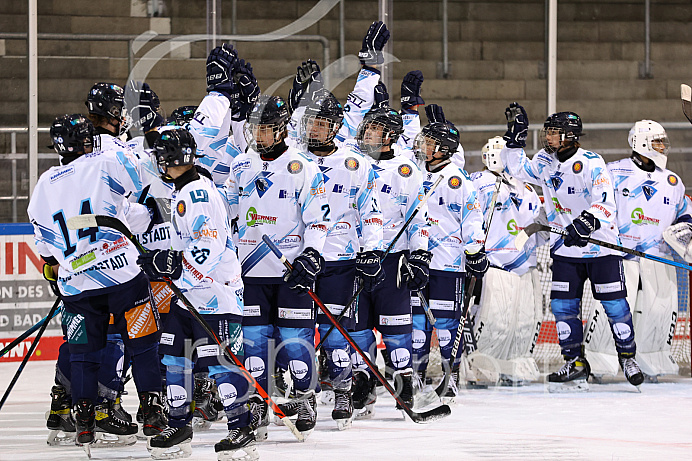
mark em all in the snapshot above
pixel 649 139
pixel 491 154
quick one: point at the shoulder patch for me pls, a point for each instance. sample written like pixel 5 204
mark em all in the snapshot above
pixel 577 167
pixel 454 182
pixel 181 208
pixel 199 195
pixel 351 164
pixel 294 167
pixel 405 170
pixel 672 180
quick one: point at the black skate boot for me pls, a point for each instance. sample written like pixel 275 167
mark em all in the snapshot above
pixel 307 412
pixel 343 408
pixel 154 418
pixel 281 387
pixel 238 445
pixel 364 394
pixel 571 377
pixel 403 383
pixel 119 411
pixel 205 405
pixel 173 442
pixel 60 420
pixel 631 368
pixel 260 416
pixel 111 430
pixel 327 394
pixel 85 421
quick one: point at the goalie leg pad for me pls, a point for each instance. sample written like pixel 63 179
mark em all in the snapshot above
pixel 497 312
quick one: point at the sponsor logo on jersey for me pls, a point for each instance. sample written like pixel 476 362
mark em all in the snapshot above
pixel 454 182
pixel 108 248
pixel 181 207
pixel 512 227
pixel 625 192
pixel 242 165
pixel 471 206
pixel 294 167
pixel 602 209
pixel 556 180
pixel 341 225
pixel 317 190
pixel 405 171
pixel 640 219
pixel 295 314
pixel 559 208
pixel 577 167
pixel 672 180
pixel 351 164
pixel 205 232
pixel 376 221
pixel 61 174
pixel 255 219
pixel 601 180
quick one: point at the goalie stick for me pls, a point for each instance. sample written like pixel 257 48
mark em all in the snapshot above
pixel 686 97
pixel 90 220
pixel 387 251
pixel 425 417
pixel 531 229
pixel 30 331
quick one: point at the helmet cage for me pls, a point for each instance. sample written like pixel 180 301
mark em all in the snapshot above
pixel 649 139
pixel 490 154
pixel 314 127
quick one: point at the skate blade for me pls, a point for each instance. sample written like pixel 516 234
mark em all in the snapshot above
pixel 475 385
pixel 57 438
pixel 248 453
pixel 261 434
pixel 449 400
pixel 200 424
pixel 305 434
pixel 182 450
pixel 107 440
pixel 366 413
pixel 578 385
pixel 345 423
pixel 327 398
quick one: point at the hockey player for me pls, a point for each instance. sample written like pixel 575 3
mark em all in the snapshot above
pixel 106 105
pixel 182 116
pixel 275 190
pixel 651 203
pixel 388 306
pixel 579 198
pixel 456 244
pixel 510 310
pixel 96 274
pixel 203 264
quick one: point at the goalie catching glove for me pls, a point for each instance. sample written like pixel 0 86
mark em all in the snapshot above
pixel 306 267
pixel 369 269
pixel 679 237
pixel 477 263
pixel 416 272
pixel 581 229
pixel 160 264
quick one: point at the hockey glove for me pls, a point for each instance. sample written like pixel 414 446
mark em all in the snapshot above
pixel 145 115
pixel 477 263
pixel 381 96
pixel 435 114
pixel 306 267
pixel 221 64
pixel 581 229
pixel 162 263
pixel 52 279
pixel 307 75
pixel 415 273
pixel 369 269
pixel 247 91
pixel 410 90
pixel 679 237
pixel 154 212
pixel 517 126
pixel 373 44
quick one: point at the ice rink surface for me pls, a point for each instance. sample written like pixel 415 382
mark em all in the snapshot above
pixel 611 422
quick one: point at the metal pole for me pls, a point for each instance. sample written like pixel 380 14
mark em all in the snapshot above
pixel 445 40
pixel 551 101
pixel 130 57
pixel 13 150
pixel 234 13
pixel 32 42
pixel 342 36
pixel 647 39
pixel 385 15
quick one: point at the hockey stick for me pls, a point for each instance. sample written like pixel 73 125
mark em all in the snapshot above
pixel 536 227
pixel 91 220
pixel 29 353
pixel 387 251
pixel 686 96
pixel 31 330
pixel 425 417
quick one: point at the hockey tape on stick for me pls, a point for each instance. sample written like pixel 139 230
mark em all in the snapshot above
pixel 424 417
pixel 686 97
pixel 82 221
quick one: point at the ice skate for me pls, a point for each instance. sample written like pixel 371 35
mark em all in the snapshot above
pixel 571 377
pixel 59 418
pixel 206 406
pixel 111 431
pixel 307 412
pixel 154 419
pixel 403 383
pixel 343 408
pixel 364 394
pixel 281 387
pixel 452 389
pixel 260 417
pixel 172 443
pixel 327 394
pixel 289 408
pixel 239 445
pixel 85 424
pixel 631 369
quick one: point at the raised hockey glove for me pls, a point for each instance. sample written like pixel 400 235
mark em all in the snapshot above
pixel 52 279
pixel 306 267
pixel 381 96
pixel 410 90
pixel 369 269
pixel 154 212
pixel 373 43
pixel 307 75
pixel 158 264
pixel 146 114
pixel 477 263
pixel 247 91
pixel 435 114
pixel 221 64
pixel 581 229
pixel 416 272
pixel 679 237
pixel 517 126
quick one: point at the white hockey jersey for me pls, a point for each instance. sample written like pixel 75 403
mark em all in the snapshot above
pixel 358 103
pixel 580 183
pixel 97 183
pixel 455 218
pixel 517 205
pixel 647 204
pixel 284 199
pixel 202 231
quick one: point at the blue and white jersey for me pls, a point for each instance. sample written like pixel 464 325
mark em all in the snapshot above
pixel 580 183
pixel 358 103
pixel 202 231
pixel 400 187
pixel 92 258
pixel 284 199
pixel 517 205
pixel 647 204
pixel 411 121
pixel 353 203
pixel 455 218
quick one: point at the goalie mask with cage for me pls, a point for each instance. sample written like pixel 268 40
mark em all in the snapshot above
pixel 559 128
pixel 108 100
pixel 72 135
pixel 175 147
pixel 381 127
pixel 322 120
pixel 436 142
pixel 648 139
pixel 266 123
pixel 490 154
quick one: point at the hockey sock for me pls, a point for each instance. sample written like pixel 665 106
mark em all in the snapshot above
pixel 399 348
pixel 145 368
pixel 299 344
pixel 63 370
pixel 233 392
pixel 621 325
pixel 365 339
pixel 84 372
pixel 445 328
pixel 338 353
pixel 420 342
pixel 256 346
pixel 180 388
pixel 569 327
pixel 111 370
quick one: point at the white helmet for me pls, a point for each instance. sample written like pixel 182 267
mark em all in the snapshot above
pixel 649 139
pixel 491 154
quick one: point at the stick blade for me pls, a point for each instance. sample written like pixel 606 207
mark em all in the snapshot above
pixel 431 415
pixel 686 93
pixel 82 221
pixel 523 236
pixel 292 427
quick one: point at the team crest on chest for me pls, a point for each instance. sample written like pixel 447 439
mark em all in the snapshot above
pixel 181 208
pixel 294 167
pixel 577 167
pixel 351 164
pixel 454 182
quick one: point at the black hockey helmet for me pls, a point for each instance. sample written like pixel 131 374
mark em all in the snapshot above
pixel 174 148
pixel 106 100
pixel 444 137
pixel 568 125
pixel 182 116
pixel 72 134
pixel 323 108
pixel 392 127
pixel 269 115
